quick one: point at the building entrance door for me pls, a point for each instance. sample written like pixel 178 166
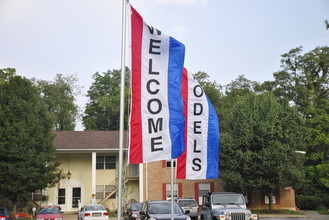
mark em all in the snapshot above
pixel 69 195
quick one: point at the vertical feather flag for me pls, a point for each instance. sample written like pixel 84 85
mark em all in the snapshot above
pixel 200 158
pixel 156 126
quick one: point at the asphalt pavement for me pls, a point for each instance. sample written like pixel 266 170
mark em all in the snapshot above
pixel 308 215
pixel 316 215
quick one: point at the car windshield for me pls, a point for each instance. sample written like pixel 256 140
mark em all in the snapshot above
pixel 227 199
pixel 163 208
pixel 188 202
pixel 95 208
pixel 136 206
pixel 49 210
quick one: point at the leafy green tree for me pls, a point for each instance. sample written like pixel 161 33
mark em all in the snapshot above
pixel 304 79
pixel 258 147
pixel 26 140
pixel 103 108
pixel 235 91
pixel 5 74
pixel 303 82
pixel 318 176
pixel 59 97
pixel 317 138
pixel 308 74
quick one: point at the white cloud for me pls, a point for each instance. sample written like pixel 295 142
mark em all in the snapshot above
pixel 185 2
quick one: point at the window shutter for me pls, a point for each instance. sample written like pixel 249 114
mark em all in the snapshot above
pixel 164 164
pixel 164 192
pixel 196 192
pixel 180 190
pixel 212 187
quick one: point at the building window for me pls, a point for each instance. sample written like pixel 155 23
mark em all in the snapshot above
pixel 275 198
pixel 104 190
pixel 105 162
pixel 267 201
pixel 168 163
pixel 168 191
pixel 61 196
pixel 204 188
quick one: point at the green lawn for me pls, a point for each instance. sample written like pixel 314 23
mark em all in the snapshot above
pixel 323 212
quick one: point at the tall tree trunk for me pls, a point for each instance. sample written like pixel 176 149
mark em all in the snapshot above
pixel 14 206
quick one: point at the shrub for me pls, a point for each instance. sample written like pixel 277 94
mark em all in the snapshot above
pixel 21 216
pixel 325 201
pixel 307 202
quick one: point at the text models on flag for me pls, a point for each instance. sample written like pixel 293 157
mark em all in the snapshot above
pixel 200 158
pixel 156 126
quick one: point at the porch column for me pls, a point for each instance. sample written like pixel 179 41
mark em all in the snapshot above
pixel 93 178
pixel 141 183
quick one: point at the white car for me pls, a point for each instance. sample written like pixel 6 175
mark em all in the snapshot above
pixel 93 212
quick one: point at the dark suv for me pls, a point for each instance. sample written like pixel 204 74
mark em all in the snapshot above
pixel 191 205
pixel 161 210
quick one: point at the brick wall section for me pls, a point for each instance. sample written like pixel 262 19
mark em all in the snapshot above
pixel 158 175
pixel 285 199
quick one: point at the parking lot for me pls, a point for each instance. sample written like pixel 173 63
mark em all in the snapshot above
pixel 309 215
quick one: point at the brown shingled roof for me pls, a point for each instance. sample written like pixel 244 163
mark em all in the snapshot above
pixel 88 140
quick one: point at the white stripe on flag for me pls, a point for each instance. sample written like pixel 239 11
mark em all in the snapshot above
pixel 156 121
pixel 155 53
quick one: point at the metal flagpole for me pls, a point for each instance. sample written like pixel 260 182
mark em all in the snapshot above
pixel 172 187
pixel 122 89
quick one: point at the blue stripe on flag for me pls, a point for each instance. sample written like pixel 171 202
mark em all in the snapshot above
pixel 213 143
pixel 175 100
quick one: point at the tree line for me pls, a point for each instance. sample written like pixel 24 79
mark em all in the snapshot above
pixel 264 126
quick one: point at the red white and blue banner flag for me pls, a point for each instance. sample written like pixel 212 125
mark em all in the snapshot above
pixel 200 158
pixel 156 126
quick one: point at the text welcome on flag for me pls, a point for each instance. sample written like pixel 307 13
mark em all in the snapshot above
pixel 156 119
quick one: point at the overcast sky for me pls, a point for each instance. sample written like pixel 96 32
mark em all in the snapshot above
pixel 225 39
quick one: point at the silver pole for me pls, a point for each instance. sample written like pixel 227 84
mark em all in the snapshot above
pixel 172 187
pixel 122 90
pixel 146 183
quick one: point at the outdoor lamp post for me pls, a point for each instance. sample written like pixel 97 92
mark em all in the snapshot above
pixel 303 187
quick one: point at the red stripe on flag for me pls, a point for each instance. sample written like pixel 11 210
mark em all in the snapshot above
pixel 136 132
pixel 181 160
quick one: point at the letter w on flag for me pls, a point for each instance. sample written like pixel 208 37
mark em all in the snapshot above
pixel 156 126
pixel 200 158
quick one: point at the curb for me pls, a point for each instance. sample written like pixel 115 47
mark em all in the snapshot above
pixel 282 216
